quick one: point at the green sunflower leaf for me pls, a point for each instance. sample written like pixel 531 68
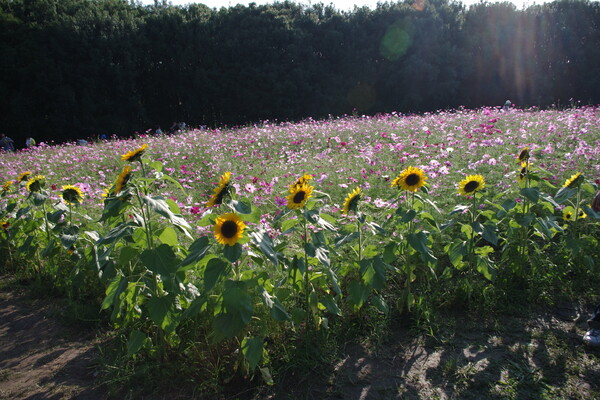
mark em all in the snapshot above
pixel 380 303
pixel 265 244
pixel 485 267
pixel 288 225
pixel 242 206
pixel 563 194
pixel 160 260
pixel 227 325
pixel 215 269
pixel 252 349
pixel 419 242
pixel 489 233
pixel 161 311
pixel 330 304
pixel 237 300
pixel 120 231
pixel 38 198
pixel 342 239
pixel 458 209
pixel 160 206
pixel 136 341
pixel 278 312
pixel 531 194
pixel 232 253
pixel 168 236
pixel 196 252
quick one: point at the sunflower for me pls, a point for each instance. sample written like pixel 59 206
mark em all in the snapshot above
pixel 4 224
pixel 134 155
pixel 24 177
pixel 71 194
pixel 6 186
pixel 574 181
pixel 351 201
pixel 523 155
pixel 411 179
pixel 220 191
pixel 569 214
pixel 299 195
pixel 122 179
pixel 301 181
pixel 525 170
pixel 36 183
pixel 471 184
pixel 229 228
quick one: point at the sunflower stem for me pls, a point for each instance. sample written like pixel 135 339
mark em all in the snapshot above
pixel 473 219
pixel 306 277
pixel 359 227
pixel 146 218
pixel 577 208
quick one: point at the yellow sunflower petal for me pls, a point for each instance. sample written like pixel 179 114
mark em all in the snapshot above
pixel 299 195
pixel 411 179
pixel 228 229
pixel 352 200
pixel 471 184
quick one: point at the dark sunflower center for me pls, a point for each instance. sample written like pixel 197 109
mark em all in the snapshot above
pixel 412 179
pixel 71 195
pixel 221 194
pixel 299 197
pixel 471 186
pixel 229 229
pixel 524 155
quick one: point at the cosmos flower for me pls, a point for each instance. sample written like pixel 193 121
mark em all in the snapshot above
pixel 228 229
pixel 411 179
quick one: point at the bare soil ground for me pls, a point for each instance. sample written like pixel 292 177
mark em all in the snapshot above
pixel 540 357
pixel 40 358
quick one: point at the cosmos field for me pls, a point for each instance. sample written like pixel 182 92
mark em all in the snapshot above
pixel 340 153
pixel 320 224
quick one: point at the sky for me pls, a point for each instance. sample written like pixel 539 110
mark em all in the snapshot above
pixel 339 4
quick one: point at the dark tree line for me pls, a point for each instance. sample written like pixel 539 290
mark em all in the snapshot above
pixel 80 68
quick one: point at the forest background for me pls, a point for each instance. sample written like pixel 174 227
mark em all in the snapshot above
pixel 83 68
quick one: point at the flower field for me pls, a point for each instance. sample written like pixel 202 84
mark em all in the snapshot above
pixel 245 244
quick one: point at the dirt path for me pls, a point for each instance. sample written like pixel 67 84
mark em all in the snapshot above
pixel 504 358
pixel 40 358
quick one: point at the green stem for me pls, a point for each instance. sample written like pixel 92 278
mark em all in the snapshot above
pixel 306 277
pixel 146 218
pixel 473 219
pixel 358 225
